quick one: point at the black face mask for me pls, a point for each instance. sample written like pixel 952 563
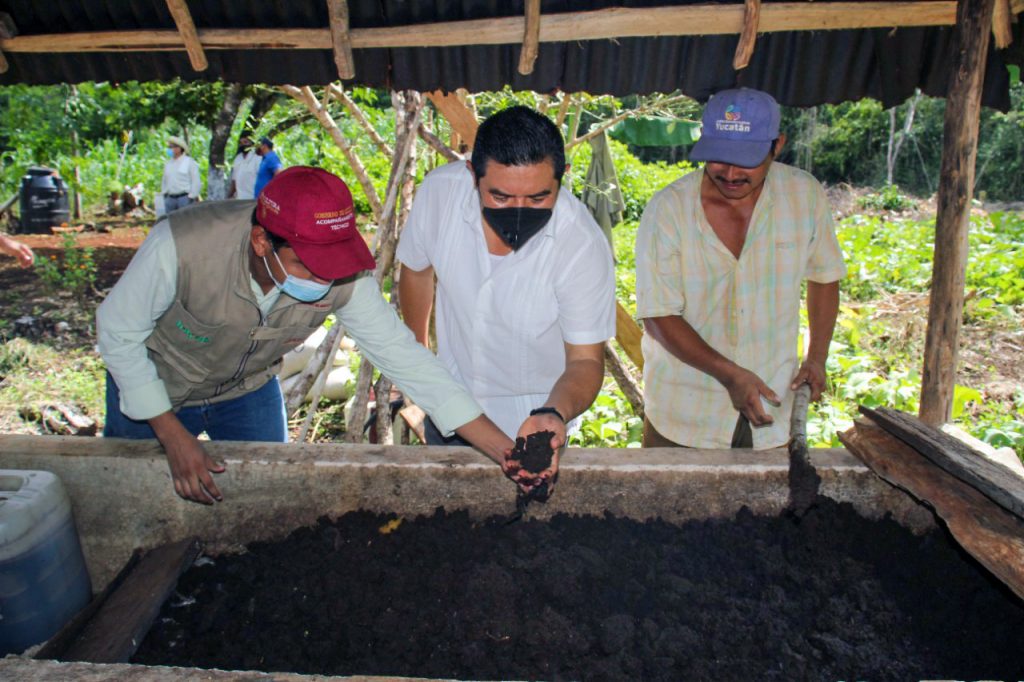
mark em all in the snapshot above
pixel 244 149
pixel 515 226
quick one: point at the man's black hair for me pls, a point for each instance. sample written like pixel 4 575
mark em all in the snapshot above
pixel 518 136
pixel 276 241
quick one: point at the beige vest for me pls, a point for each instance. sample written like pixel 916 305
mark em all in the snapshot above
pixel 213 343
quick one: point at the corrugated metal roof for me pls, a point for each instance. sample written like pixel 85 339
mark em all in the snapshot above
pixel 799 68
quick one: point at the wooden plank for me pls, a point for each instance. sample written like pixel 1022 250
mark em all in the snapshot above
pixel 745 47
pixel 461 117
pixel 629 334
pixel 187 31
pixel 341 41
pixel 123 620
pixel 956 186
pixel 955 457
pixel 59 643
pixel 611 23
pixel 988 532
pixel 531 37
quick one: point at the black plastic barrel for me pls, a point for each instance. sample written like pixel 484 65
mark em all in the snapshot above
pixel 44 200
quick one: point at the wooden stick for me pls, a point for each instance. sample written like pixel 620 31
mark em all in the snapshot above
pixel 624 378
pixel 956 186
pixel 745 48
pixel 435 143
pixel 318 364
pixel 460 117
pixel 357 113
pixel 337 13
pixel 1002 27
pixel 189 36
pixel 563 109
pixel 306 96
pixel 639 111
pixel 531 37
pixel 314 401
pixel 611 23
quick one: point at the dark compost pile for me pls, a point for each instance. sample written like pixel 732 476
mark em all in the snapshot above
pixel 833 597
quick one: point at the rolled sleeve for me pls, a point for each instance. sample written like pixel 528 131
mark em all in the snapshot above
pixel 127 317
pixel 659 277
pixel 387 343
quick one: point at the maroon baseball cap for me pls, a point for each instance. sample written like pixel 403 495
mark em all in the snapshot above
pixel 313 210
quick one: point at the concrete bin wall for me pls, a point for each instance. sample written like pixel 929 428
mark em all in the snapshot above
pixel 122 497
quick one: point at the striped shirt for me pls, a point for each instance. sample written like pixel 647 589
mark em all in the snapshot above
pixel 747 309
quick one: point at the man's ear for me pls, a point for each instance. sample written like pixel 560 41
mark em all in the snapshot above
pixel 780 142
pixel 260 242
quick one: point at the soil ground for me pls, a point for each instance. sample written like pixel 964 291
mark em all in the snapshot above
pixel 832 597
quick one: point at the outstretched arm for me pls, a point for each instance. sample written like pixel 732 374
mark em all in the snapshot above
pixel 822 310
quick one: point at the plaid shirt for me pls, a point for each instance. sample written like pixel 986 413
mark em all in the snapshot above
pixel 747 309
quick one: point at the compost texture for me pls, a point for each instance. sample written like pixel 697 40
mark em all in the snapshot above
pixel 833 597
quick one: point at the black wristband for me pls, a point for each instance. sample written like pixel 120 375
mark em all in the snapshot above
pixel 548 410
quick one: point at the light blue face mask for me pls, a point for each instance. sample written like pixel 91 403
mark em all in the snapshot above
pixel 170 153
pixel 305 290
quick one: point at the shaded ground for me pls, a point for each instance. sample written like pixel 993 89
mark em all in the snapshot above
pixel 835 597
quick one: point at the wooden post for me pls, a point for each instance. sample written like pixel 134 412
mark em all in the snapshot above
pixel 745 48
pixel 956 185
pixel 337 13
pixel 189 35
pixel 531 38
pixel 460 117
pixel 8 30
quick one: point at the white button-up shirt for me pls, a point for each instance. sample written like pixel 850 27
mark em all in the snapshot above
pixel 502 322
pixel 181 176
pixel 243 174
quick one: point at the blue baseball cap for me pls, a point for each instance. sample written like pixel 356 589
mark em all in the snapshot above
pixel 738 128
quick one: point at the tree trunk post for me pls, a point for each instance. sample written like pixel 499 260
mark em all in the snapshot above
pixel 960 148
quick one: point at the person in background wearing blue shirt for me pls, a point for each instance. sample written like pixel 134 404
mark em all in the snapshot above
pixel 270 165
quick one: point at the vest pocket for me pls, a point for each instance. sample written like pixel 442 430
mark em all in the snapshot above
pixel 181 344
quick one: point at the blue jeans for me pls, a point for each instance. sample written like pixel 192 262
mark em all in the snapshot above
pixel 172 204
pixel 257 416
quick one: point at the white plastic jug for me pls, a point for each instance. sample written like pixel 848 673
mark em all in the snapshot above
pixel 43 578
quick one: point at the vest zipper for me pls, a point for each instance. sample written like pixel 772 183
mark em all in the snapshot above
pixel 245 357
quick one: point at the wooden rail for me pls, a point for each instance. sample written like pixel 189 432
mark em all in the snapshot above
pixel 611 23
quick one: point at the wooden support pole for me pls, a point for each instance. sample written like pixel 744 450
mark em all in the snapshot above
pixel 745 48
pixel 531 38
pixel 437 144
pixel 8 30
pixel 357 113
pixel 337 13
pixel 628 334
pixel 1002 27
pixel 189 35
pixel 956 186
pixel 460 117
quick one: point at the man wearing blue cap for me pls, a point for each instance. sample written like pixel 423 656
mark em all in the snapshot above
pixel 721 255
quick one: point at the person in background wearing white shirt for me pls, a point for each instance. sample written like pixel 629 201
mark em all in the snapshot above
pixel 181 184
pixel 193 331
pixel 525 289
pixel 244 169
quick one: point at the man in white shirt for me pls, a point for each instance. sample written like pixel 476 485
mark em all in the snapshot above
pixel 525 279
pixel 193 332
pixel 180 185
pixel 244 169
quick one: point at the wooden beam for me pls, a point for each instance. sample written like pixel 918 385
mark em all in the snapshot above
pixel 189 36
pixel 337 12
pixel 460 117
pixel 745 47
pixel 531 38
pixel 994 536
pixel 1002 27
pixel 611 23
pixel 955 457
pixel 122 621
pixel 956 186
pixel 629 334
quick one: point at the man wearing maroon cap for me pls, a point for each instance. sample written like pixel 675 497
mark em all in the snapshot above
pixel 217 294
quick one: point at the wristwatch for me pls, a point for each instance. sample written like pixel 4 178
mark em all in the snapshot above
pixel 548 410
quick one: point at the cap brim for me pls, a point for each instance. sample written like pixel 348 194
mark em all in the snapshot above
pixel 732 152
pixel 337 260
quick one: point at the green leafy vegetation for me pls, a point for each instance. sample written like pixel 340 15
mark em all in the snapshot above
pixel 73 271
